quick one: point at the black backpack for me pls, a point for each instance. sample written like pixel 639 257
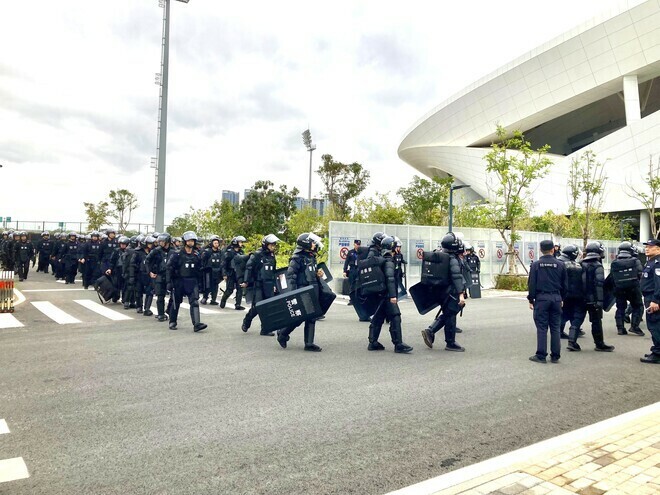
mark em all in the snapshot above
pixel 435 268
pixel 625 273
pixel 371 276
pixel 574 279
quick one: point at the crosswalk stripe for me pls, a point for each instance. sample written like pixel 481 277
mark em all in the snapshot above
pixel 202 311
pixel 102 310
pixel 3 427
pixel 54 313
pixel 13 469
pixel 8 320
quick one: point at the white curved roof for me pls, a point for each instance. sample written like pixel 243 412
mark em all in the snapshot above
pixel 583 66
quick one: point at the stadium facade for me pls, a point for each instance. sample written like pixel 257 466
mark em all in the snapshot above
pixel 596 87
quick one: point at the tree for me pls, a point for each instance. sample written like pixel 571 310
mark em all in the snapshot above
pixel 305 220
pixel 182 224
pixel 222 218
pixel 342 183
pixel 650 196
pixel 475 215
pixel 124 203
pixel 586 181
pixel 266 210
pixel 427 201
pixel 514 166
pixel 97 214
pixel 379 210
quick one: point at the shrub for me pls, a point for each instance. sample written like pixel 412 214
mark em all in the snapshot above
pixel 511 282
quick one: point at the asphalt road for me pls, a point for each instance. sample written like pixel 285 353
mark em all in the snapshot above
pixel 130 407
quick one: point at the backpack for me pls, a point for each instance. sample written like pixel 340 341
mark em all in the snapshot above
pixel 435 268
pixel 624 273
pixel 574 279
pixel 371 276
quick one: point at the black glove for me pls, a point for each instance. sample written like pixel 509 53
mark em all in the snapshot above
pixel 169 286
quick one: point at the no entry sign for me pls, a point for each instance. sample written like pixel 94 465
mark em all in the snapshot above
pixel 482 253
pixel 499 254
pixel 420 253
pixel 343 252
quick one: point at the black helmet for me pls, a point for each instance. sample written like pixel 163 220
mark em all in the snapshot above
pixel 269 239
pixel 189 236
pixel 468 247
pixel 237 239
pixel 124 240
pixel 450 243
pixel 45 233
pixel 571 251
pixel 627 247
pixel 388 243
pixel 23 233
pixel 595 248
pixel 305 241
pixel 164 238
pixel 73 234
pixel 378 237
pixel 214 238
pixel 94 233
pixel 461 246
pixel 397 242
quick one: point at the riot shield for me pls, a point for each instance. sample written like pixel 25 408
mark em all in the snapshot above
pixel 289 309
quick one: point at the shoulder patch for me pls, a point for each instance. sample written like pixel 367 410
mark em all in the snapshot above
pixel 657 272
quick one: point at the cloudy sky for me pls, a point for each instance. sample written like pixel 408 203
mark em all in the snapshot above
pixel 78 102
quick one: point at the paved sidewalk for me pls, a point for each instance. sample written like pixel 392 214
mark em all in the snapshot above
pixel 619 456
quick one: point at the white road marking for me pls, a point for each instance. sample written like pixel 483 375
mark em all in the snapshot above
pixel 102 310
pixel 13 469
pixel 3 427
pixel 54 313
pixel 8 320
pixel 20 298
pixel 51 290
pixel 202 310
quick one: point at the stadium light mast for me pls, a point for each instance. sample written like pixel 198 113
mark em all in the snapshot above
pixel 162 79
pixel 307 141
pixel 451 202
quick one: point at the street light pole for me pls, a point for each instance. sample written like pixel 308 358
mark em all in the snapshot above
pixel 451 202
pixel 307 141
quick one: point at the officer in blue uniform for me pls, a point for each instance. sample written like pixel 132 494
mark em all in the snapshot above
pixel 547 288
pixel 650 285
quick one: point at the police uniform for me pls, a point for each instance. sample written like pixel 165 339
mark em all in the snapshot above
pixel 260 274
pixel 547 288
pixel 626 271
pixel 650 284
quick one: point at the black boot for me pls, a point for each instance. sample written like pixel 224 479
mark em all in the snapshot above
pixel 635 320
pixel 620 329
pixel 160 307
pixel 283 336
pixel 573 346
pixel 194 315
pixel 310 329
pixel 397 339
pixel 374 333
pixel 147 305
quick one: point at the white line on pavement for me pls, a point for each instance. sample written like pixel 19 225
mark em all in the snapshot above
pixel 20 298
pixel 54 313
pixel 3 427
pixel 13 469
pixel 102 310
pixel 52 290
pixel 7 320
pixel 202 310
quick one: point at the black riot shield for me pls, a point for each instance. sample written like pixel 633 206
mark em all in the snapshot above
pixel 104 288
pixel 280 280
pixel 327 276
pixel 426 297
pixel 475 288
pixel 326 296
pixel 289 309
pixel 608 293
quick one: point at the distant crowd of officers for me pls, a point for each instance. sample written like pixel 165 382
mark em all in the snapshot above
pixel 564 290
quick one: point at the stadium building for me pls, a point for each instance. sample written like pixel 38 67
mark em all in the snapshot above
pixel 596 87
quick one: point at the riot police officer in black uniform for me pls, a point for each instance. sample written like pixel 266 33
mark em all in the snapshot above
pixel 626 271
pixel 453 299
pixel 108 247
pixel 303 272
pixel 90 258
pixel 229 274
pixel 568 256
pixel 183 276
pixel 139 277
pixel 594 279
pixel 212 258
pixel 45 250
pixel 157 265
pixel 68 257
pixel 3 257
pixel 400 267
pixel 23 254
pixel 650 285
pixel 9 248
pixel 116 270
pixel 260 274
pixel 350 268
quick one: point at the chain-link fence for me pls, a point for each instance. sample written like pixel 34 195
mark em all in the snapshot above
pixel 487 243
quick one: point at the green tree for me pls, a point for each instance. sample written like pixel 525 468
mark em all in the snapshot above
pixel 124 202
pixel 475 215
pixel 513 166
pixel 586 180
pixel 265 210
pixel 305 220
pixel 379 210
pixel 554 223
pixel 342 183
pixel 222 218
pixel 97 214
pixel 182 224
pixel 427 201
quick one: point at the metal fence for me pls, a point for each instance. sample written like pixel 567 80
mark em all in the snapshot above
pixel 487 243
pixel 80 227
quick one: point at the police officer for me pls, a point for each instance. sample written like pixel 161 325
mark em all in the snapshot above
pixel 594 279
pixel 116 270
pixel 574 307
pixel 23 254
pixel 14 238
pixel 557 252
pixel 350 269
pixel 108 247
pixel 229 273
pixel 139 276
pixel 303 272
pixel 547 288
pixel 260 274
pixel 157 265
pixel 626 271
pixel 453 298
pixel 387 308
pixel 650 285
pixel 183 276
pixel 400 267
pixel 90 259
pixel 58 267
pixel 3 258
pixel 472 261
pixel 568 256
pixel 212 267
pixel 68 257
pixel 45 250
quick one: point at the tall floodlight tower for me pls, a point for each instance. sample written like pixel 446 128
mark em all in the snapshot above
pixel 162 79
pixel 307 141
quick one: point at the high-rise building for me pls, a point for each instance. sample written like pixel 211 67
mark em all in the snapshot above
pixel 320 205
pixel 231 196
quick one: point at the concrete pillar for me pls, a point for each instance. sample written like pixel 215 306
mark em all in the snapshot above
pixel 631 99
pixel 644 226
